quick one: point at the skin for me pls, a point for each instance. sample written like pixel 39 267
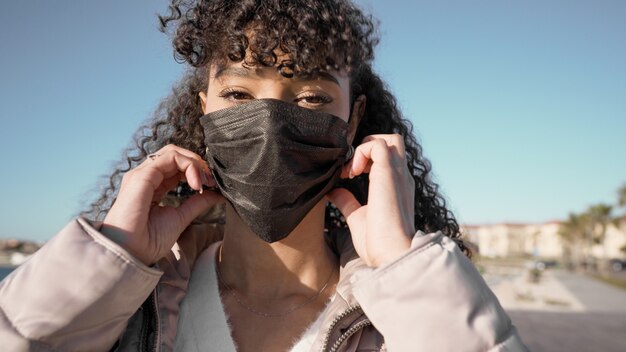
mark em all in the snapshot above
pixel 276 277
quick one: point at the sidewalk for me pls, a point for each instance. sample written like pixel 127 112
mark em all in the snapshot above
pixel 549 294
pixel 556 291
pixel 596 296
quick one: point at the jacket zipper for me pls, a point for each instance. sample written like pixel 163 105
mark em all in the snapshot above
pixel 348 333
pixel 144 325
pixel 358 326
pixel 157 321
pixel 150 315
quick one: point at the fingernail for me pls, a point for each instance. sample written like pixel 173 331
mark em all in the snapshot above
pixel 350 175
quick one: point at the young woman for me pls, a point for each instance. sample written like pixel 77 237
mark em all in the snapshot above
pixel 279 202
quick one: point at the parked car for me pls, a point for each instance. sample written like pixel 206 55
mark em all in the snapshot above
pixel 617 264
pixel 543 264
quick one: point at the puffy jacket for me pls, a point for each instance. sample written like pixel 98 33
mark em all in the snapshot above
pixel 83 292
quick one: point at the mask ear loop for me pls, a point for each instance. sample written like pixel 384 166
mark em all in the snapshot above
pixel 350 153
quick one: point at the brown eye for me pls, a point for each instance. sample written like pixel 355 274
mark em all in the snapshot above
pixel 235 95
pixel 316 100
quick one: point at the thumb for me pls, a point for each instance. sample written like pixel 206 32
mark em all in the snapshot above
pixel 196 205
pixel 344 201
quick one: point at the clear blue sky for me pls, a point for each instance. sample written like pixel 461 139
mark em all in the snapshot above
pixel 520 105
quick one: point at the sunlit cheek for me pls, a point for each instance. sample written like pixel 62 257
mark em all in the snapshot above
pixel 343 110
pixel 214 102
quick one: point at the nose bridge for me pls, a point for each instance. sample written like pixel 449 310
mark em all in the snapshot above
pixel 276 88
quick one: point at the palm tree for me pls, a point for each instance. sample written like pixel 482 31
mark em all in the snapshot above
pixel 600 218
pixel 621 194
pixel 619 221
pixel 574 232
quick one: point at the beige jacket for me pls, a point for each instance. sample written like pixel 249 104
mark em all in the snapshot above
pixel 83 292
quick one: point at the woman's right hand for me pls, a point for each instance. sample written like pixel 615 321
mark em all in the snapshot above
pixel 138 223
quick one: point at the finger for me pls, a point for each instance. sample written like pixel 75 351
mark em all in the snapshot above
pixel 394 141
pixel 166 186
pixel 186 152
pixel 196 205
pixel 368 153
pixel 202 164
pixel 344 201
pixel 345 169
pixel 193 174
pixel 189 153
pixel 207 175
pixel 171 164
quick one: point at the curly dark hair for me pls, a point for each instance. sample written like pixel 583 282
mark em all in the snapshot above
pixel 330 35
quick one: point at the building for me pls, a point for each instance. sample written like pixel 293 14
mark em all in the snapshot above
pixel 538 240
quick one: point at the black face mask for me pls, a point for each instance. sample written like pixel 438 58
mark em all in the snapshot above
pixel 274 161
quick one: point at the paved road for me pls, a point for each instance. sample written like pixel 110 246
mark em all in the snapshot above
pixel 595 295
pixel 575 332
pixel 600 327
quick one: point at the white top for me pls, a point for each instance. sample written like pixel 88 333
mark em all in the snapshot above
pixel 203 324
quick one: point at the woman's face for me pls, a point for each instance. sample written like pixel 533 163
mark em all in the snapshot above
pixel 327 92
pixel 233 84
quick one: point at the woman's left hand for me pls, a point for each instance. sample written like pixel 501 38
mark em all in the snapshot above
pixel 383 228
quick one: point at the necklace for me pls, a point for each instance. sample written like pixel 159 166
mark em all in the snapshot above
pixel 263 314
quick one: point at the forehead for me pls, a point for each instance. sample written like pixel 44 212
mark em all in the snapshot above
pixel 256 72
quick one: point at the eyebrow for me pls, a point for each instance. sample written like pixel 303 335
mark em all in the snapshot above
pixel 248 73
